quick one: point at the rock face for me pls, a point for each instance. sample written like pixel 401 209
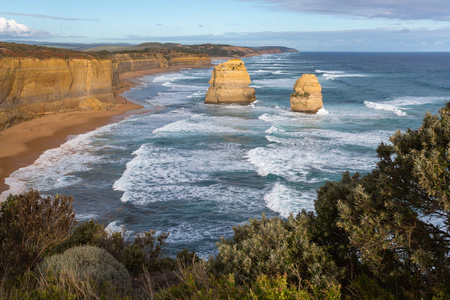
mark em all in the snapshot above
pixel 131 62
pixel 31 87
pixel 308 94
pixel 230 84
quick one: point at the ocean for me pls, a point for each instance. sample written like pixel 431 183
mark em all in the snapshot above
pixel 196 170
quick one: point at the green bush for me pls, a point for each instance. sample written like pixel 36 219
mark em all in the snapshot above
pixel 88 262
pixel 274 247
pixel 30 226
pixel 87 233
pixel 304 94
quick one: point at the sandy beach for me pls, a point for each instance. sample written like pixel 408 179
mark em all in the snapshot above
pixel 22 144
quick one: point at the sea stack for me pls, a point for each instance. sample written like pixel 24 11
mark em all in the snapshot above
pixel 308 94
pixel 230 84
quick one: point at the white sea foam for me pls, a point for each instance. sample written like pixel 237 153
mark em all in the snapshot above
pixel 56 168
pixel 273 129
pixel 285 201
pixel 114 227
pixel 386 107
pixel 297 156
pixel 198 94
pixel 203 124
pixel 270 118
pixel 322 112
pixel 412 100
pixel 163 174
pixel 331 75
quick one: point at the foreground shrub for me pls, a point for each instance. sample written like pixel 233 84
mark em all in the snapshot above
pixel 274 247
pixel 88 262
pixel 87 233
pixel 29 226
pixel 49 285
pixel 198 283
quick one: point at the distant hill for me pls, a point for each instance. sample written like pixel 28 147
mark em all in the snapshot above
pixel 214 50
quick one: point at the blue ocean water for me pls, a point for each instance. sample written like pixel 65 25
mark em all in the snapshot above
pixel 196 170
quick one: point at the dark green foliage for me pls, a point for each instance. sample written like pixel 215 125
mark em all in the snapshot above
pixel 29 226
pixel 274 247
pixel 187 257
pixel 400 218
pixel 87 233
pixel 142 251
pixel 304 94
pixel 145 251
pixel 197 284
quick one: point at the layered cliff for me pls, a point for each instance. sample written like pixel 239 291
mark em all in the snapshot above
pixel 308 94
pixel 131 62
pixel 230 84
pixel 30 86
pixel 38 80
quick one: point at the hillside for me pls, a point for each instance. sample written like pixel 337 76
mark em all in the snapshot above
pixel 214 50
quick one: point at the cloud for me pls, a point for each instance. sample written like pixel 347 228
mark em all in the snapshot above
pixel 49 17
pixel 438 10
pixel 12 29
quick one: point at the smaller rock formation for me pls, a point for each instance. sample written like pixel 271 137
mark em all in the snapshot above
pixel 230 84
pixel 92 104
pixel 308 94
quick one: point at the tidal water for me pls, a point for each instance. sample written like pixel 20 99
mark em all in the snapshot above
pixel 197 170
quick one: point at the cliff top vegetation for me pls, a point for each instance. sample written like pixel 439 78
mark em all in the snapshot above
pixel 22 50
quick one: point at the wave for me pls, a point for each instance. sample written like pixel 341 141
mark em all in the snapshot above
pixel 163 174
pixel 386 107
pixel 285 201
pixel 203 124
pixel 412 100
pixel 331 75
pixel 56 168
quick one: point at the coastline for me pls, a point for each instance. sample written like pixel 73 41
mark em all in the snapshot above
pixel 23 143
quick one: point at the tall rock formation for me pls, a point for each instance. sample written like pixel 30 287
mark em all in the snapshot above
pixel 308 94
pixel 230 84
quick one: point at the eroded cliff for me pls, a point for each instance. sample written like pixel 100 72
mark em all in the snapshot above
pixel 38 80
pixel 30 87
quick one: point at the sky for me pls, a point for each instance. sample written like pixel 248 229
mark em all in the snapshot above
pixel 307 25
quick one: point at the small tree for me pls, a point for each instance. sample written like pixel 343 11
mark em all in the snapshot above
pixel 398 217
pixel 30 225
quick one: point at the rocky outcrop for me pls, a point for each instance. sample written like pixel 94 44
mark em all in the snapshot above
pixel 308 94
pixel 230 84
pixel 30 86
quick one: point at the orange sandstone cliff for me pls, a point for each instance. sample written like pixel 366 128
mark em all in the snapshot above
pixel 37 80
pixel 30 86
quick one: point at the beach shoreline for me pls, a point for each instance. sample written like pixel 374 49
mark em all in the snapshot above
pixel 23 143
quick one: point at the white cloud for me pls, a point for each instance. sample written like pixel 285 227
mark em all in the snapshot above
pixel 438 10
pixel 12 29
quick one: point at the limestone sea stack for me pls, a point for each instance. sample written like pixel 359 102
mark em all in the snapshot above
pixel 308 94
pixel 230 84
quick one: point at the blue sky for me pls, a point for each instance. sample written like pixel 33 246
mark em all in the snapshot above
pixel 308 25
